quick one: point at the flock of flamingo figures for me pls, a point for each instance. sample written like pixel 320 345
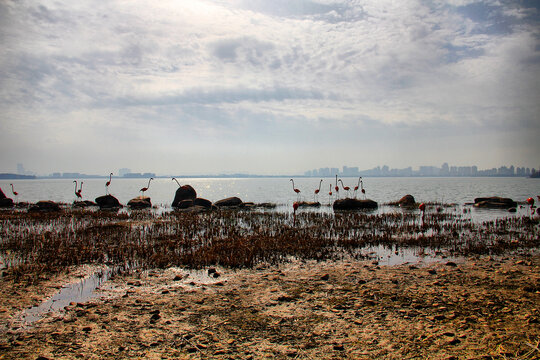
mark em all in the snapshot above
pixel 360 186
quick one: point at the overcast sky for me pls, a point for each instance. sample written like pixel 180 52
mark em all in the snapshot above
pixel 267 86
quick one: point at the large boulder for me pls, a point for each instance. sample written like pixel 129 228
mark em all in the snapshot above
pixel 494 202
pixel 228 202
pixel 108 202
pixel 44 206
pixel 184 192
pixel 407 201
pixel 140 202
pixel 354 204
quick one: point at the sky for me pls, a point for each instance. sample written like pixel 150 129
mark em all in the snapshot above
pixel 267 86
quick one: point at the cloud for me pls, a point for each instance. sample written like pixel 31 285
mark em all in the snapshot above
pixel 267 71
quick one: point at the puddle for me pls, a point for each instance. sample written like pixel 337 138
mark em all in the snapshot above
pixel 390 257
pixel 79 292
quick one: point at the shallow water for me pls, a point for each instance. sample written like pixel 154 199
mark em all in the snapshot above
pixel 79 292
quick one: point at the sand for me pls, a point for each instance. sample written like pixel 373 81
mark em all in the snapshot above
pixel 481 308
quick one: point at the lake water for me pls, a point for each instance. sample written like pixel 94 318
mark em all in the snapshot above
pixel 279 190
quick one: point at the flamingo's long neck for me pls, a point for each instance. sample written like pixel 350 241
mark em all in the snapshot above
pixel 176 181
pixel 12 190
pixel 320 183
pixel 75 181
pixel 149 183
pixel 80 189
pixel 292 183
pixel 359 179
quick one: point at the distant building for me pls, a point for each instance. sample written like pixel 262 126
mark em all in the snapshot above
pixel 123 171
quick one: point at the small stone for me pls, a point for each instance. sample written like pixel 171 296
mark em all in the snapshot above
pixel 339 347
pixel 325 277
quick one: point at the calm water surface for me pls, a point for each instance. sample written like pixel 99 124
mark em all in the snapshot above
pixel 279 190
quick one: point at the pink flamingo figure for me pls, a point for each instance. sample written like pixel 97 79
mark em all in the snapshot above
pixel 147 187
pixel 357 187
pixel 297 191
pixel 108 183
pixel 346 188
pixel 14 192
pixel 337 188
pixel 77 193
pixel 317 191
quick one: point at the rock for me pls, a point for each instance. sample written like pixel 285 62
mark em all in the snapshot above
pixel 2 195
pixel 84 203
pixel 184 192
pixel 202 202
pixel 184 204
pixel 232 201
pixel 108 202
pixel 140 203
pixel 494 202
pixel 354 204
pixel 407 201
pixel 309 204
pixel 6 202
pixel 45 206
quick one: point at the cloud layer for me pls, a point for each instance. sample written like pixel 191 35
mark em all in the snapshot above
pixel 267 86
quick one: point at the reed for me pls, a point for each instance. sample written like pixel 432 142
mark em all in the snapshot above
pixel 237 239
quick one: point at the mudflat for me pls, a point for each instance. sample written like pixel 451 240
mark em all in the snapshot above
pixel 483 307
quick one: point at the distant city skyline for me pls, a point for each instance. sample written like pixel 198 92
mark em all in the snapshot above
pixel 424 170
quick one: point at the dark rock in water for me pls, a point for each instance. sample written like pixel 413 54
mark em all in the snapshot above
pixel 6 202
pixel 266 205
pixel 232 201
pixel 407 201
pixel 140 203
pixel 494 202
pixel 45 206
pixel 184 204
pixel 184 192
pixel 512 210
pixel 195 209
pixel 108 202
pixel 2 195
pixel 354 204
pixel 309 204
pixel 202 202
pixel 84 203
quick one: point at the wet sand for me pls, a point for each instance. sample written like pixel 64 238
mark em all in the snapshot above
pixel 482 308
